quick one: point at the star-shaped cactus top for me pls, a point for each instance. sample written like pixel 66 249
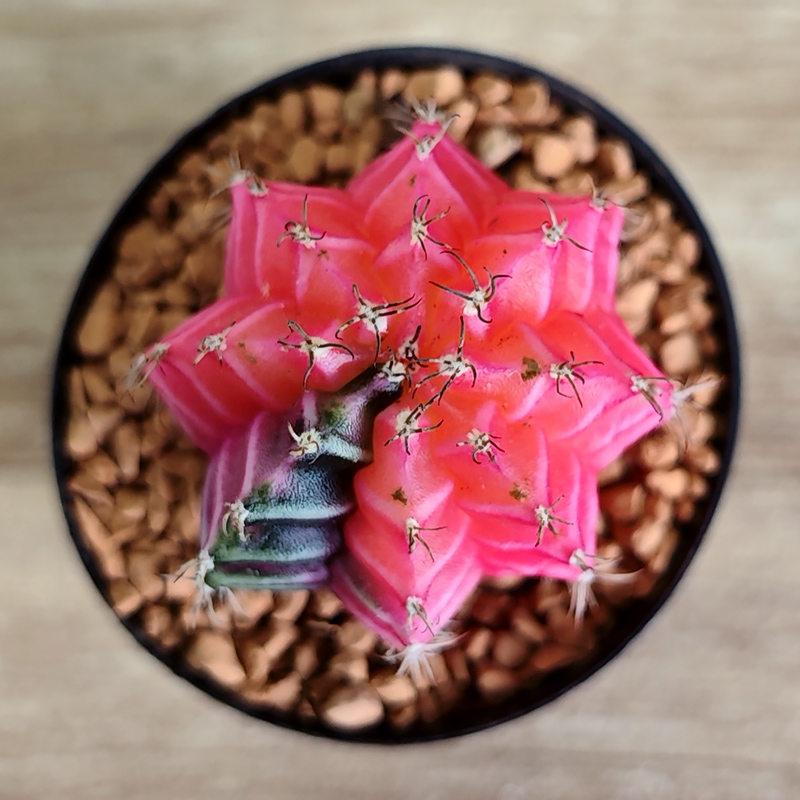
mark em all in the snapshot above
pixel 490 313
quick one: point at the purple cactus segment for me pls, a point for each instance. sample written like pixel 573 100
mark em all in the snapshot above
pixel 275 494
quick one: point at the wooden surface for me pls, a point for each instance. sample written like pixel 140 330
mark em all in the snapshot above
pixel 705 704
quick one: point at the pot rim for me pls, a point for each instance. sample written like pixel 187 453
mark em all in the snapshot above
pixel 340 70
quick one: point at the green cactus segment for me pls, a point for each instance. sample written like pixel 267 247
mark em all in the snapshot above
pixel 317 491
pixel 286 528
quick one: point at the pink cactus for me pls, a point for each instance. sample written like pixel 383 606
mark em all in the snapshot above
pixel 485 317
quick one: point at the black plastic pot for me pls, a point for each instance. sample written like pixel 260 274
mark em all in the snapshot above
pixel 341 71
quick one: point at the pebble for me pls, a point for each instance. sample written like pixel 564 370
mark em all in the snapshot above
pixel 615 160
pixel 553 155
pixel 582 134
pixel 395 690
pixel 353 708
pixel 281 695
pixel 530 102
pixel 212 651
pixel 491 90
pixel 509 650
pixel 350 666
pixel 496 145
pixel 125 598
pixel 292 111
pixel 553 655
pixel 496 683
pixel 625 502
pixel 143 573
pixel 680 354
pixel 288 606
pixel 80 440
pixel 262 652
pixel 102 325
pixel 306 159
pixel 671 484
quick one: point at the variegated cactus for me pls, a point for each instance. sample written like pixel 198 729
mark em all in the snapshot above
pixel 497 380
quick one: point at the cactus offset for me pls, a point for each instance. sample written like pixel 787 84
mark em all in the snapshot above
pixel 496 381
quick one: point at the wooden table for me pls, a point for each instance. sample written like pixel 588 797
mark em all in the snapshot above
pixel 705 704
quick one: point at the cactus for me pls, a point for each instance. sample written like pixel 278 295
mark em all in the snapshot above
pixel 496 380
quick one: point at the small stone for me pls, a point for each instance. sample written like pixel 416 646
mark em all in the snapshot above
pixel 490 607
pixel 480 640
pixel 553 655
pixel 124 597
pixel 306 159
pixel 553 155
pixel 360 99
pixel 578 183
pixel 660 450
pixel 680 355
pixel 126 449
pixel 615 160
pixel 131 504
pixel 464 112
pixel 353 708
pixel 288 606
pixel 612 473
pixel 527 626
pixel 144 575
pixel 582 135
pixel 282 695
pixel 671 484
pixel 635 304
pixel 306 658
pixel 263 651
pixel 646 539
pixel 496 145
pixel 659 563
pixel 102 468
pixel 509 650
pixel 491 90
pixel 339 158
pixel 98 537
pixel 212 651
pixel 255 603
pixel 395 690
pixel 495 683
pixel 449 85
pixel 99 497
pixel 326 105
pixel 401 719
pixel 158 624
pixel 324 604
pixel 98 389
pixel 625 502
pixel 530 102
pixel 80 440
pixel 353 635
pixel 421 86
pixel 349 665
pixel 687 248
pixel 703 458
pixel 292 111
pixel 102 325
pixel 628 191
pixel 457 666
pixel 391 83
pixel 103 419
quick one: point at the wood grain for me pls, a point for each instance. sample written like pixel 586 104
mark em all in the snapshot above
pixel 705 704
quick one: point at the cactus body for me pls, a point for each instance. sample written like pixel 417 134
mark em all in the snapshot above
pixel 497 380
